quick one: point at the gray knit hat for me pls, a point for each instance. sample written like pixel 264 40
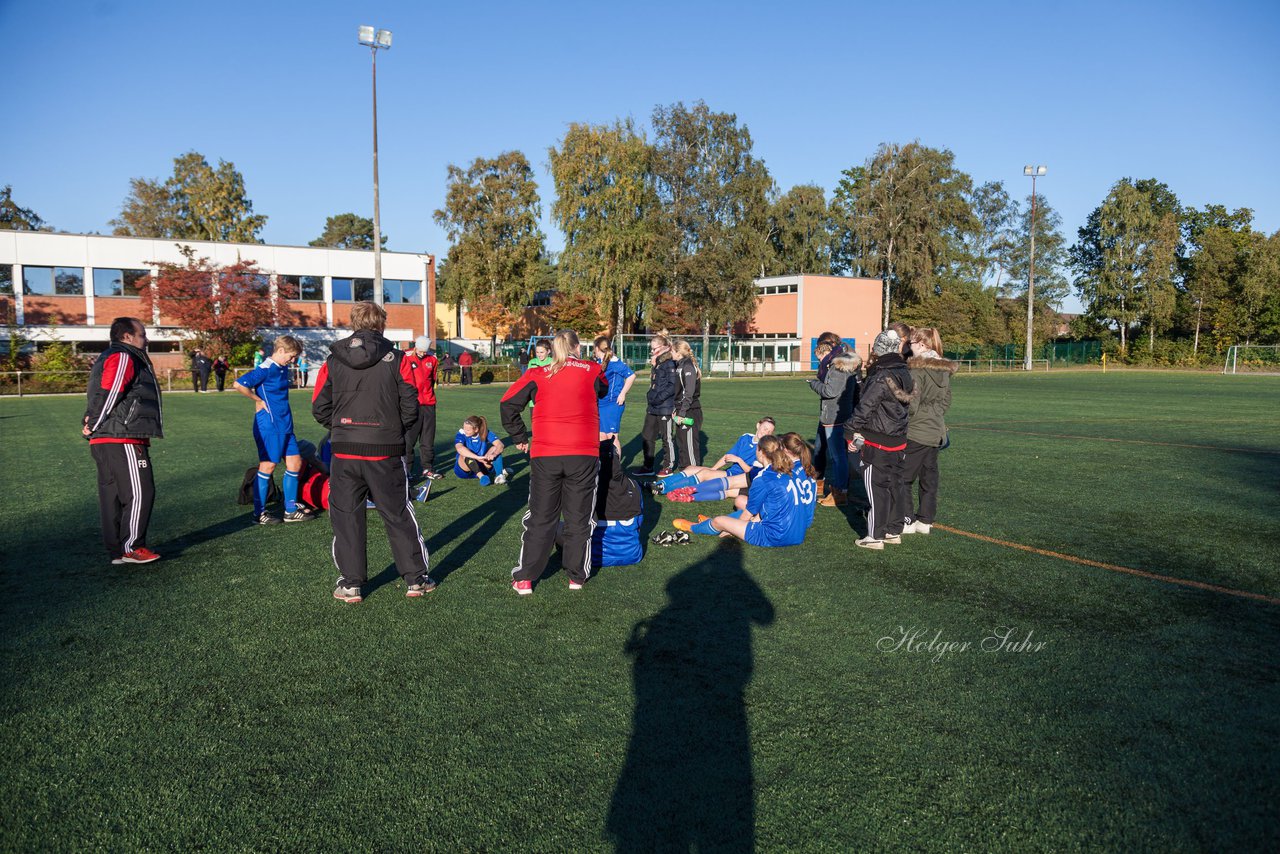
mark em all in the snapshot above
pixel 422 343
pixel 886 342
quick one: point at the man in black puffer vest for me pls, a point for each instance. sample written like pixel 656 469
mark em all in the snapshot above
pixel 367 406
pixel 120 420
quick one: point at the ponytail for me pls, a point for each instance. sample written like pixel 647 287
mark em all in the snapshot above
pixel 770 447
pixel 480 424
pixel 799 448
pixel 602 344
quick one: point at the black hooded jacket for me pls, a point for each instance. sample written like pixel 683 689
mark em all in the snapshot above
pixel 363 399
pixel 882 410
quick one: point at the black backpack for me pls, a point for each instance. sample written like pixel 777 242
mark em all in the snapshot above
pixel 246 488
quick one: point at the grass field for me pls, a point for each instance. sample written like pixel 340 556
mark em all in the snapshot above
pixel 714 697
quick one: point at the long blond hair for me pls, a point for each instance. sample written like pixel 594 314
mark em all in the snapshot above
pixel 564 347
pixel 480 424
pixel 683 350
pixel 771 448
pixel 799 448
pixel 602 344
pixel 927 336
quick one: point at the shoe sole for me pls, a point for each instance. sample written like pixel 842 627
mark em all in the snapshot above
pixel 523 592
pixel 575 586
pixel 877 546
pixel 350 600
pixel 136 561
pixel 308 518
pixel 416 594
pixel 893 541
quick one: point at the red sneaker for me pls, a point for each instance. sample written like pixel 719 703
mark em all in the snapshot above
pixel 683 495
pixel 524 588
pixel 575 585
pixel 141 554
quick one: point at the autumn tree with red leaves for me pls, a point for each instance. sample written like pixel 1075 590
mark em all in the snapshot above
pixel 576 311
pixel 670 313
pixel 492 316
pixel 224 306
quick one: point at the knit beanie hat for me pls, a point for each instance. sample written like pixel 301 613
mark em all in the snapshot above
pixel 886 342
pixel 422 343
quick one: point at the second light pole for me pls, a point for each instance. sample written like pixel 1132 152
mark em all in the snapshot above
pixel 376 40
pixel 1031 172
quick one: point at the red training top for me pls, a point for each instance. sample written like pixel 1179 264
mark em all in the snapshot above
pixel 465 359
pixel 421 374
pixel 566 421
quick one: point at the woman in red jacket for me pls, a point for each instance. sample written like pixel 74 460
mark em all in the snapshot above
pixel 564 459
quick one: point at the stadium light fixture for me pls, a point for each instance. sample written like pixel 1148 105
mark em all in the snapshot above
pixel 375 40
pixel 1031 172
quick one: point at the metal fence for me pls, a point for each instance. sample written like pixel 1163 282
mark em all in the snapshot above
pixel 991 366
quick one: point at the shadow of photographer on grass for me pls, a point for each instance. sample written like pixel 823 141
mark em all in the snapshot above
pixel 687 782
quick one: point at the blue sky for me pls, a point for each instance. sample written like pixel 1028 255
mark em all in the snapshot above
pixel 99 92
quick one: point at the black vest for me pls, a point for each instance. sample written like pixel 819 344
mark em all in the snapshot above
pixel 134 414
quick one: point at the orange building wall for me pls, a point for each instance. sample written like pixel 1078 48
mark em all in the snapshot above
pixel 402 317
pixel 107 309
pixel 853 308
pixel 775 313
pixel 53 309
pixel 306 313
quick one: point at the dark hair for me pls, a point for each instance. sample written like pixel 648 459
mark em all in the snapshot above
pixel 123 326
pixel 830 338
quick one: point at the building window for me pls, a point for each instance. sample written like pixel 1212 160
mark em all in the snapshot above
pixel 401 291
pixel 6 278
pixel 110 282
pixel 352 290
pixel 37 281
pixel 305 288
pixel 541 299
pixel 68 281
pixel 765 290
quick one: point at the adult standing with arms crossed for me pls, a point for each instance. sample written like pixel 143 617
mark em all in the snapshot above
pixel 464 362
pixel 419 368
pixel 564 460
pixel 122 416
pixel 363 400
pixel 927 426
pixel 660 404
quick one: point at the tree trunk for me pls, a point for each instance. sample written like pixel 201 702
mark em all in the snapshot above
pixel 706 342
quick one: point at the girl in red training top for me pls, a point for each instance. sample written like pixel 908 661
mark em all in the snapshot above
pixel 564 459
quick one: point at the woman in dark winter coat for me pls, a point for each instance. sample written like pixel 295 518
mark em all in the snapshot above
pixel 927 430
pixel 660 404
pixel 837 386
pixel 877 433
pixel 688 411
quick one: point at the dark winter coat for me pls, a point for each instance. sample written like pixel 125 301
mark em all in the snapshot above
pixel 133 412
pixel 688 388
pixel 882 411
pixel 931 399
pixel 363 399
pixel 838 390
pixel 661 399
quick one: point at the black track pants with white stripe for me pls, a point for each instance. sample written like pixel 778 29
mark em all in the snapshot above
pixel 126 494
pixel 687 440
pixel 558 486
pixel 656 426
pixel 351 482
pixel 890 501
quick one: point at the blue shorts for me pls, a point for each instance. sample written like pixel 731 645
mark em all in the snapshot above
pixel 611 417
pixel 274 445
pixel 758 535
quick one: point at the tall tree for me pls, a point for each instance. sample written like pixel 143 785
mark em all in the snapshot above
pixel 800 232
pixel 575 310
pixel 1052 286
pixel 490 216
pixel 347 231
pixel 197 202
pixel 609 212
pixel 714 193
pixel 13 217
pixel 987 246
pixel 907 210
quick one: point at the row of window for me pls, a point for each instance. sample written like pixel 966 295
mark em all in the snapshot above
pixel 778 289
pixel 113 282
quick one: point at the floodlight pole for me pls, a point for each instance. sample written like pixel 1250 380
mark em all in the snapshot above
pixel 377 223
pixel 1034 172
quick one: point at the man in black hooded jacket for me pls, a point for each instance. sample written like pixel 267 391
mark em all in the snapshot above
pixel 367 406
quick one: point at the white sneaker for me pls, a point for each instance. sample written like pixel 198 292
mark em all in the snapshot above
pixel 922 527
pixel 910 528
pixel 500 479
pixel 870 543
pixel 893 539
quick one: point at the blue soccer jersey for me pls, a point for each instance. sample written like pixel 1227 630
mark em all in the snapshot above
pixel 616 374
pixel 475 444
pixel 784 503
pixel 270 382
pixel 745 448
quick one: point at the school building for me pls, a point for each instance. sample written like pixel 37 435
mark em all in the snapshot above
pixel 792 311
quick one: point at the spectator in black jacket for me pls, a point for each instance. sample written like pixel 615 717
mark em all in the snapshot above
pixel 877 439
pixel 688 412
pixel 661 403
pixel 362 398
pixel 200 367
pixel 220 368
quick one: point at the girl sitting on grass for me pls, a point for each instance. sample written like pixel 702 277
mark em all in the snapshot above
pixel 479 452
pixel 779 509
pixel 731 474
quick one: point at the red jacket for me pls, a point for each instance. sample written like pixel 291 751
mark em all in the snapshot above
pixel 465 359
pixel 566 421
pixel 421 374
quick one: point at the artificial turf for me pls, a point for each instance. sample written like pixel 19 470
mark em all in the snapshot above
pixel 713 697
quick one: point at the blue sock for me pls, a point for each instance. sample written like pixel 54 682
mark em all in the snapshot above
pixel 738 514
pixel 290 491
pixel 262 484
pixel 710 490
pixel 497 465
pixel 704 527
pixel 679 480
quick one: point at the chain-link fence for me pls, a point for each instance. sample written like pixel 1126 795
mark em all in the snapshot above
pixel 1053 352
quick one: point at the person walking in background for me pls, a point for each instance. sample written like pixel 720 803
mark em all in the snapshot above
pixel 523 357
pixel 268 387
pixel 362 398
pixel 660 404
pixel 926 426
pixel 564 460
pixel 464 362
pixel 877 434
pixel 200 367
pixel 688 408
pixel 304 368
pixel 220 368
pixel 837 388
pixel 447 366
pixel 419 369
pixel 620 377
pixel 122 415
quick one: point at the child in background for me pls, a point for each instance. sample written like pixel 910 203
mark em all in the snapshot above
pixel 479 452
pixel 702 483
pixel 779 509
pixel 541 354
pixel 620 377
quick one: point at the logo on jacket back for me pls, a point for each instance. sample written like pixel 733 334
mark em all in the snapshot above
pixel 390 357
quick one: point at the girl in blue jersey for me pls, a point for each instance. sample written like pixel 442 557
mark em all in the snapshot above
pixel 620 377
pixel 479 452
pixel 779 509
pixel 730 474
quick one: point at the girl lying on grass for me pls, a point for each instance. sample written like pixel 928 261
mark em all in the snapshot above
pixel 779 508
pixel 479 452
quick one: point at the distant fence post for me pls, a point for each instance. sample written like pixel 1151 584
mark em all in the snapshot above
pixel 19 383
